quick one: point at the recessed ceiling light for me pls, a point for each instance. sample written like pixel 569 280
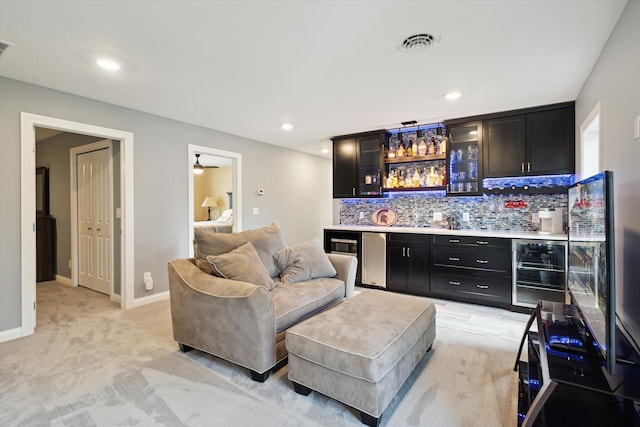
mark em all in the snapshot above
pixel 453 95
pixel 108 64
pixel 324 150
pixel 287 126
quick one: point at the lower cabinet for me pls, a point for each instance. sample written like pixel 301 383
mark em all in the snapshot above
pixel 408 263
pixel 472 270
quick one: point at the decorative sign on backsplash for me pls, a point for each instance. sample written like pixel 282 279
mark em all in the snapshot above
pixel 384 216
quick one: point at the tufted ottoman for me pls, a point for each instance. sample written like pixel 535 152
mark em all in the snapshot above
pixel 360 352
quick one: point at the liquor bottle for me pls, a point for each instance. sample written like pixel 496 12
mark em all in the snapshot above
pixel 402 152
pixel 443 144
pixel 389 180
pixel 416 178
pixel 432 178
pixel 401 178
pixel 394 179
pixel 422 148
pixel 414 148
pixel 408 179
pixel 432 146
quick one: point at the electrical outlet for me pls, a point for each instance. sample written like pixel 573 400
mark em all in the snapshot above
pixel 465 217
pixel 437 216
pixel 256 211
pixel 361 215
pixel 147 275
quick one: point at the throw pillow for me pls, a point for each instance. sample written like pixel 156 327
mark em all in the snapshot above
pixel 241 264
pixel 266 241
pixel 302 262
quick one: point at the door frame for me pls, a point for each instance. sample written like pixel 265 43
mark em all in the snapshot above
pixel 236 159
pixel 73 158
pixel 28 123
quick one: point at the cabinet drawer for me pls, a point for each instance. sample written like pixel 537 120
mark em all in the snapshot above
pixel 483 242
pixel 471 258
pixel 495 288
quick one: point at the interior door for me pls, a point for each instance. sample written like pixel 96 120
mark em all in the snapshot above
pixel 95 244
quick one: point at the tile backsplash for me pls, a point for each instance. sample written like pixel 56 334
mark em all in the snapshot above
pixel 487 212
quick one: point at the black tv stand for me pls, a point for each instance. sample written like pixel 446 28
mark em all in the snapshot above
pixel 563 380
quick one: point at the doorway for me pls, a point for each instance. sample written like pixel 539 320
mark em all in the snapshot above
pixel 235 199
pixel 28 207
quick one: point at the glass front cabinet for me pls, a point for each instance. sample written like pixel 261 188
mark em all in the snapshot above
pixel 539 272
pixel 463 159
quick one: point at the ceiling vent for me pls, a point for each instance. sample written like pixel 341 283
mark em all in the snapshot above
pixel 4 47
pixel 419 42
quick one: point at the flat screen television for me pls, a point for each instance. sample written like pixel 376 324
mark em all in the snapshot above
pixel 591 278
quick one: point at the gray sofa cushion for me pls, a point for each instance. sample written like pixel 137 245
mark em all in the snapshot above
pixel 242 264
pixel 302 262
pixel 296 301
pixel 266 240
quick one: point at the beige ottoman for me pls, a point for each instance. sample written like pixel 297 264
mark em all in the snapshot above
pixel 361 351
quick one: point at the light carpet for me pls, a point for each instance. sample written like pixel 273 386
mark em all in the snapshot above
pixel 91 364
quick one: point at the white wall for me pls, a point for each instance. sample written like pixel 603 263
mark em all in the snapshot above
pixel 297 185
pixel 615 82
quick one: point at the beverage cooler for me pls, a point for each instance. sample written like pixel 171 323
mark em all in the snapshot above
pixel 539 272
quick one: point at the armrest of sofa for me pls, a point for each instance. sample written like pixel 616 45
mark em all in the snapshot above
pixel 230 319
pixel 346 266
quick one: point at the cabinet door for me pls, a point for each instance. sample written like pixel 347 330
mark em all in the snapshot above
pixel 345 152
pixel 464 162
pixel 551 142
pixel 504 146
pixel 396 266
pixel 370 165
pixel 418 267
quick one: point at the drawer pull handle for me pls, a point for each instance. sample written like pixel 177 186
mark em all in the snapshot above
pixel 482 242
pixel 482 261
pixel 453 258
pixel 454 240
pixel 482 286
pixel 451 282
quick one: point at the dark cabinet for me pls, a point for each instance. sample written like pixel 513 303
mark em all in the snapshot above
pixel 504 152
pixel 408 263
pixel 358 164
pixel 551 142
pixel 344 167
pixel 464 176
pixel 45 247
pixel 537 142
pixel 471 269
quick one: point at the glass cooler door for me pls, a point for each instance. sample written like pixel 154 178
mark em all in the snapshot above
pixel 539 272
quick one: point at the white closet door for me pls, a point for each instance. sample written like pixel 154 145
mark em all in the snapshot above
pixel 95 254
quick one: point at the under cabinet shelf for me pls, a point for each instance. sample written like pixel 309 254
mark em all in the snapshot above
pixel 400 189
pixel 412 159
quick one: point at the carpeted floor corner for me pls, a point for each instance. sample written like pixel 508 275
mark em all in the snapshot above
pixel 91 364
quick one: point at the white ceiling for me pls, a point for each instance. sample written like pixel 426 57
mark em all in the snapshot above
pixel 328 67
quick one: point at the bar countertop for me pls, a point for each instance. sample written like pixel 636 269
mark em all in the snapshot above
pixel 532 235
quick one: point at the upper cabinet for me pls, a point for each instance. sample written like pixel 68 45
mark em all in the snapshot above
pixel 464 159
pixel 358 164
pixel 539 141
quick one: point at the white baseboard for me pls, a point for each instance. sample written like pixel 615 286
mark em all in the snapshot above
pixel 64 280
pixel 150 299
pixel 116 298
pixel 10 334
